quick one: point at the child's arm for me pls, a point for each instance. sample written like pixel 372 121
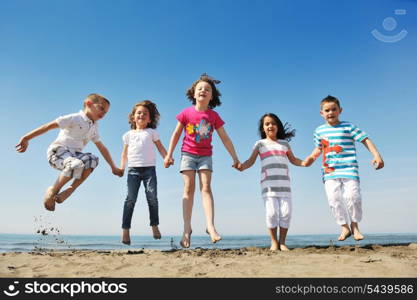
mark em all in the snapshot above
pixel 296 161
pixel 24 141
pixel 250 161
pixel 227 142
pixel 172 144
pixel 308 161
pixel 123 158
pixel 377 162
pixel 106 154
pixel 161 148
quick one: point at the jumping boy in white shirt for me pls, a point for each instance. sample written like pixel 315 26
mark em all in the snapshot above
pixel 64 154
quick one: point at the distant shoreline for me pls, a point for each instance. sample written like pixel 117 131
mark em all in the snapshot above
pixel 40 242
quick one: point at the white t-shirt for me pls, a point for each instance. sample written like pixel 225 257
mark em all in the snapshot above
pixel 141 147
pixel 76 130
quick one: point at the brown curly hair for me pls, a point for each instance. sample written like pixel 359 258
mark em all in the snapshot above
pixel 153 114
pixel 215 101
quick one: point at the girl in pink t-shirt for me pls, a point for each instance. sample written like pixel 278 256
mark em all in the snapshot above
pixel 198 123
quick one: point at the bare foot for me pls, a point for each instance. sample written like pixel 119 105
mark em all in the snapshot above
pixel 274 246
pixel 61 197
pixel 186 240
pixel 345 234
pixel 215 237
pixel 156 233
pixel 126 237
pixel 283 247
pixel 49 199
pixel 357 235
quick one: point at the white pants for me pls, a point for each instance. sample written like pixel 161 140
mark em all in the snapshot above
pixel 278 211
pixel 344 196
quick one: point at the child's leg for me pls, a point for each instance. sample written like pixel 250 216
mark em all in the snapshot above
pixel 334 194
pixel 274 239
pixel 271 217
pixel 81 166
pixel 285 211
pixel 126 236
pixel 345 232
pixel 150 183
pixel 354 206
pixel 156 233
pixel 357 235
pixel 282 237
pixel 133 184
pixel 62 196
pixel 208 203
pixel 53 190
pixel 187 206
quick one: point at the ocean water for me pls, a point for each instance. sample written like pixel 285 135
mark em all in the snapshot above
pixel 44 241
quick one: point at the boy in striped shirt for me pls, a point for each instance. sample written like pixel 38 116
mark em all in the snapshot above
pixel 336 141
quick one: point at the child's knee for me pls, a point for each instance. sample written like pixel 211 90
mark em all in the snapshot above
pixel 272 217
pixel 335 201
pixel 130 201
pixel 189 189
pixel 73 167
pixel 152 201
pixel 90 160
pixel 285 218
pixel 73 163
pixel 206 188
pixel 284 221
pixel 355 195
pixel 151 195
pixel 272 221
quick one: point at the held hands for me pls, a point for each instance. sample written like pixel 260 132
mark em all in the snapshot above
pixel 237 165
pixel 117 171
pixel 168 161
pixel 377 163
pixel 308 161
pixel 22 145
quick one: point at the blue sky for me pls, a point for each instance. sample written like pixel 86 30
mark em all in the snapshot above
pixel 271 56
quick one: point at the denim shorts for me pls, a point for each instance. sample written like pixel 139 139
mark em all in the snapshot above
pixel 193 162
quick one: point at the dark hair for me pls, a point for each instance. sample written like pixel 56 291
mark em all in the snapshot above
pixel 284 131
pixel 153 114
pixel 215 101
pixel 330 99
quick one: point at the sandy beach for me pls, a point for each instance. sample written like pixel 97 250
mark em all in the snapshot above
pixel 371 261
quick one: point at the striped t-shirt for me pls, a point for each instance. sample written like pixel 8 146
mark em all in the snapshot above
pixel 275 179
pixel 338 148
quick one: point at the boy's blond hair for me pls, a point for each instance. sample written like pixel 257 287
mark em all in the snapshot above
pixel 95 98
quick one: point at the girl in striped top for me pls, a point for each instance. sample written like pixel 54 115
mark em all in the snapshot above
pixel 275 152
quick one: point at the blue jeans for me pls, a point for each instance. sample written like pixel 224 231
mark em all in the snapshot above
pixel 134 178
